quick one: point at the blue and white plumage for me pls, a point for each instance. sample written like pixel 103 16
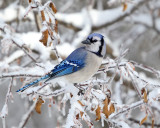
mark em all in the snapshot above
pixel 80 65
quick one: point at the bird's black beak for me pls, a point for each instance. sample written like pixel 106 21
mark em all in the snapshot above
pixel 87 41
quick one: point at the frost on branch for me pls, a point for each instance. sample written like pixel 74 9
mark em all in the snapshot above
pixel 123 93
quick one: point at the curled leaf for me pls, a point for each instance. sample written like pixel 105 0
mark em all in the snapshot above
pixel 44 37
pixel 111 109
pixel 43 16
pixel 56 26
pixel 144 119
pixel 77 116
pixel 92 108
pixel 81 113
pixel 53 7
pixel 80 103
pixel 124 6
pixel 98 113
pixel 71 95
pixel 105 108
pixel 39 103
pixel 144 93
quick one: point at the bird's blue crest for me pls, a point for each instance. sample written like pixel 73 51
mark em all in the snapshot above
pixel 95 34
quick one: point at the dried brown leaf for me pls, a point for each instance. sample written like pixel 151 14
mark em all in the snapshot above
pixel 81 113
pixel 144 93
pixel 53 7
pixel 152 123
pixel 44 37
pixel 124 6
pixel 77 116
pixel 98 113
pixel 34 99
pixel 43 16
pixel 92 108
pixel 105 108
pixel 145 97
pixel 56 26
pixel 49 105
pixel 39 103
pixel 71 95
pixel 80 103
pixel 111 109
pixel 50 20
pixel 21 79
pixel 144 119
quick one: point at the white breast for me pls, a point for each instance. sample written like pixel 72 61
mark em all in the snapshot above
pixel 92 65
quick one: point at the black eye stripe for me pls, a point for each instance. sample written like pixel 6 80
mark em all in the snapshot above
pixel 94 40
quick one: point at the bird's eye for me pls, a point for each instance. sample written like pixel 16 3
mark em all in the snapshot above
pixel 95 40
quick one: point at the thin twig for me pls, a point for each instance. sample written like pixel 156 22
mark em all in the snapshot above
pixel 23 48
pixel 4 111
pixel 124 110
pixel 15 42
pixel 19 75
pixel 4 114
pixel 26 116
pixel 145 123
pixel 57 54
pixel 110 22
pixel 146 68
pixel 55 93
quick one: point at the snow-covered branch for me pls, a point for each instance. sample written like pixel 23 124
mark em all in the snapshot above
pixel 8 36
pixel 26 116
pixel 4 111
pixel 120 87
pixel 111 16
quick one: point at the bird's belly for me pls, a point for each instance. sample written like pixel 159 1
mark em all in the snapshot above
pixel 92 65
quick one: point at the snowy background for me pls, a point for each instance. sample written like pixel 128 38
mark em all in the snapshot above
pixel 31 45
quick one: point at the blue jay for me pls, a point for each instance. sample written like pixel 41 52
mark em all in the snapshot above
pixel 80 65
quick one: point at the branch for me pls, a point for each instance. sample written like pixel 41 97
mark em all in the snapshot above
pixel 55 93
pixel 19 75
pixel 145 123
pixel 123 15
pixel 67 19
pixel 146 68
pixel 26 117
pixel 4 111
pixel 124 110
pixel 147 26
pixel 18 43
pixel 24 49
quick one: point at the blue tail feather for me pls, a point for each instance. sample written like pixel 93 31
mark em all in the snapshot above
pixel 31 84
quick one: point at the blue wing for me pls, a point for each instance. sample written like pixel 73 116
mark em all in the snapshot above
pixel 74 62
pixel 32 83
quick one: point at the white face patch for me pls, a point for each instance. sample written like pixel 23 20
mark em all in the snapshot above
pixel 94 46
